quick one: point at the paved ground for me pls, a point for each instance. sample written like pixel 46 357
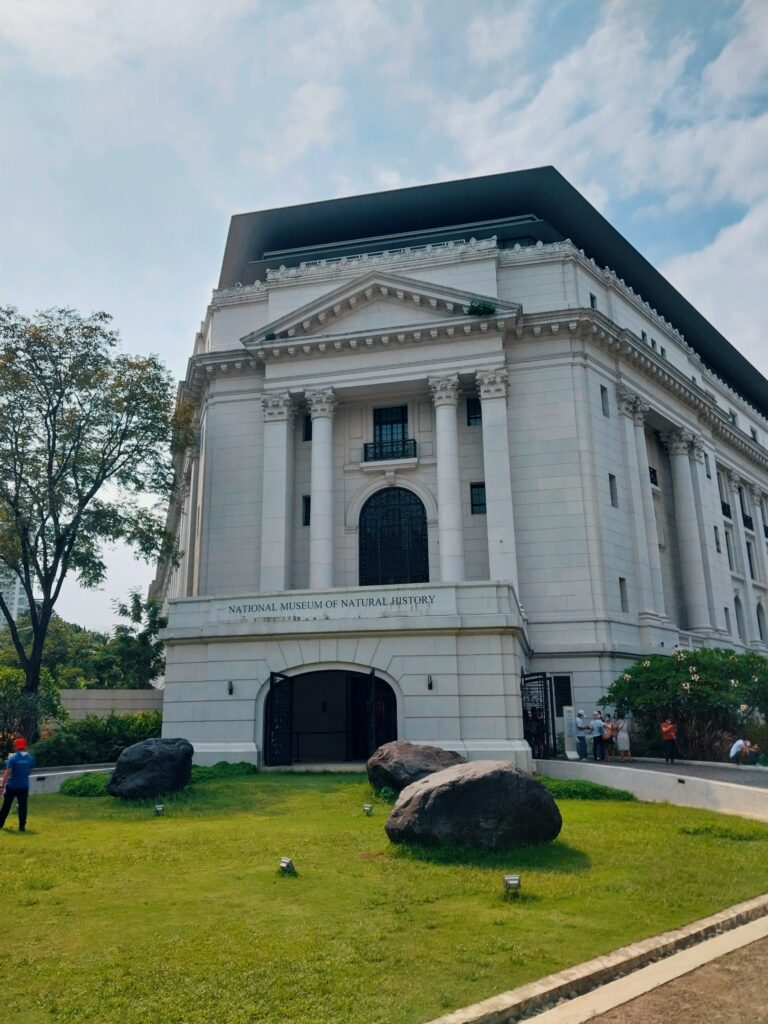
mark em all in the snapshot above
pixel 730 990
pixel 736 776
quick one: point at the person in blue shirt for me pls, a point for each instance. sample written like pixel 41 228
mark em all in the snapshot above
pixel 15 782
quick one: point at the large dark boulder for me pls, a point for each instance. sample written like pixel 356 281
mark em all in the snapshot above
pixel 152 768
pixel 486 804
pixel 398 764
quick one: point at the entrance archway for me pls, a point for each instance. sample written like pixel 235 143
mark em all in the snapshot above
pixel 328 716
pixel 393 539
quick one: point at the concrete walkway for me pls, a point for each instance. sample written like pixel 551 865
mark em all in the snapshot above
pixel 736 775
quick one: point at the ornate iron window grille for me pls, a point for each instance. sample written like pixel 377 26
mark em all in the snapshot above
pixel 393 539
pixel 747 520
pixel 726 509
pixel 401 448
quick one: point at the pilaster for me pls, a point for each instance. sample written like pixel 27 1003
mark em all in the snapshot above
pixel 321 404
pixel 678 445
pixel 278 412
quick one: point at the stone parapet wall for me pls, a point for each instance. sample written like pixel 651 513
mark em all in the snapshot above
pixel 80 703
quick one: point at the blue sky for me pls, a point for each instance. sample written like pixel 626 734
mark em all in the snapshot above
pixel 132 132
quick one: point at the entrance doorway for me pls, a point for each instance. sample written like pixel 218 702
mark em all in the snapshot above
pixel 328 716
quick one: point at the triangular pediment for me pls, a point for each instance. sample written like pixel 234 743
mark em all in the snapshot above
pixel 378 301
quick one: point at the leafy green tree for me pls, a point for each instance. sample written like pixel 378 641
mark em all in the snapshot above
pixel 709 692
pixel 19 708
pixel 85 458
pixel 139 656
pixel 74 656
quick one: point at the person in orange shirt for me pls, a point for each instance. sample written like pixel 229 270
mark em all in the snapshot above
pixel 669 739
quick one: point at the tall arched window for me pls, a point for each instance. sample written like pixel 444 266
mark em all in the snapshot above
pixel 761 621
pixel 739 619
pixel 393 539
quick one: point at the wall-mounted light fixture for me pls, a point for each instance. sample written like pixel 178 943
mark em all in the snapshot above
pixel 430 684
pixel 230 688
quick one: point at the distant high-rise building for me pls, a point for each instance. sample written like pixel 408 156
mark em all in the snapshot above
pixel 13 594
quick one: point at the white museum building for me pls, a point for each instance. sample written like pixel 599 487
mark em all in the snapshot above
pixel 462 455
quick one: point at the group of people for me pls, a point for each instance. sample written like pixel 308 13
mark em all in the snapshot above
pixel 607 734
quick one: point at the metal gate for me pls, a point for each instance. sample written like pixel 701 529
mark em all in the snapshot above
pixel 538 713
pixel 278 720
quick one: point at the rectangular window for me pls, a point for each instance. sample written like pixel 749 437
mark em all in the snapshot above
pixel 733 417
pixel 563 694
pixel 604 400
pixel 753 432
pixel 663 352
pixel 623 594
pixel 751 560
pixel 707 467
pixel 721 487
pixel 390 424
pixel 614 490
pixel 474 412
pixel 717 540
pixel 727 619
pixel 477 499
pixel 306 432
pixel 653 475
pixel 729 549
pixel 644 336
pixel 592 301
pixel 653 344
pixel 306 509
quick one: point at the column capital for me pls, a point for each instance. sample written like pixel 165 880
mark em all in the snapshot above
pixel 733 479
pixel 756 493
pixel 492 383
pixel 445 390
pixel 277 405
pixel 697 442
pixel 678 442
pixel 631 404
pixel 321 402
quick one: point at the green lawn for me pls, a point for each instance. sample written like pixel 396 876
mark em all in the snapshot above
pixel 113 915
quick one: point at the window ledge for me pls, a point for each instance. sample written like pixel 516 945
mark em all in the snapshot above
pixel 382 465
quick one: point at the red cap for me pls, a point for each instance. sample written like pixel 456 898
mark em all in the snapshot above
pixel 20 743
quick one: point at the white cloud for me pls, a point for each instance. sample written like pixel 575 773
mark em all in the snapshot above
pixel 310 119
pixel 621 115
pixel 741 69
pixel 725 280
pixel 79 38
pixel 495 37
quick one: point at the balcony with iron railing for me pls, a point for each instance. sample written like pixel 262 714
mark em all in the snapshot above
pixel 748 522
pixel 381 451
pixel 726 509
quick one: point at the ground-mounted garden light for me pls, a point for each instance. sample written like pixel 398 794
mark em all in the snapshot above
pixel 159 809
pixel 368 809
pixel 287 867
pixel 511 886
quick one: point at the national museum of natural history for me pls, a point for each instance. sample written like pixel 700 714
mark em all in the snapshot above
pixel 457 445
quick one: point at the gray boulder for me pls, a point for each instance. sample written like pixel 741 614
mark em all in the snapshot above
pixel 398 764
pixel 487 804
pixel 152 768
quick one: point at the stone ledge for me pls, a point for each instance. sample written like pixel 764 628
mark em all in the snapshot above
pixel 508 1007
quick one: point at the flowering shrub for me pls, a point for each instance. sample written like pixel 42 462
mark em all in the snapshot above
pixel 711 694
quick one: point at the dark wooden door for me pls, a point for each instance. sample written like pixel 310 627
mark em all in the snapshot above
pixel 278 721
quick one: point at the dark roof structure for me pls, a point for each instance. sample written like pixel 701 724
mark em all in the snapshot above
pixel 518 206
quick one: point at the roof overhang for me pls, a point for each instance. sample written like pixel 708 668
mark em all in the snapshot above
pixel 542 193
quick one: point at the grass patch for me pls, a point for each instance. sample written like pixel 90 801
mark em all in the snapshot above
pixel 580 789
pixel 184 918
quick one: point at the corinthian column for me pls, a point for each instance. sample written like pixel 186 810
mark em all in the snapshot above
pixel 688 536
pixel 276 520
pixel 321 405
pixel 502 556
pixel 631 408
pixel 445 395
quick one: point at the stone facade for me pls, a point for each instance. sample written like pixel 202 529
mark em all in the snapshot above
pixel 623 510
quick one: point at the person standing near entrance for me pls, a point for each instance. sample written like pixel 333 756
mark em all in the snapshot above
pixel 597 728
pixel 669 739
pixel 15 782
pixel 582 728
